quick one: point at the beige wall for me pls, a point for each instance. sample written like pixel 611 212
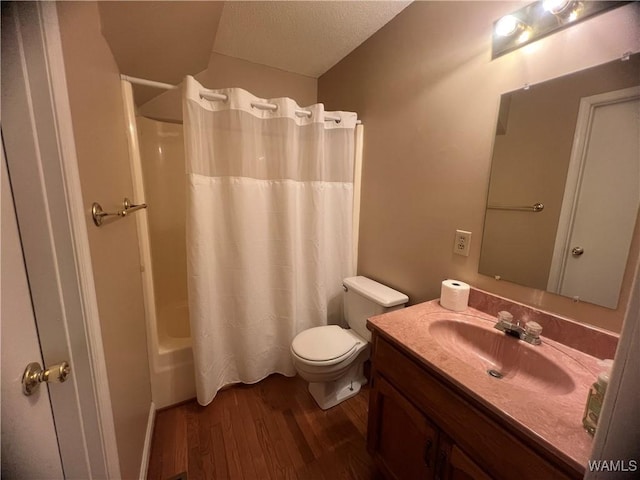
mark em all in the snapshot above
pixel 103 160
pixel 428 94
pixel 530 163
pixel 225 72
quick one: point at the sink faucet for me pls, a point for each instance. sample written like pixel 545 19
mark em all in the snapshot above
pixel 527 331
pixel 519 322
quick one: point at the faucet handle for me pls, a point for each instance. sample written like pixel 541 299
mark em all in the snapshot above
pixel 533 329
pixel 504 316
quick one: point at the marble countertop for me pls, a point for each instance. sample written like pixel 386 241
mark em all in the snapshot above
pixel 550 417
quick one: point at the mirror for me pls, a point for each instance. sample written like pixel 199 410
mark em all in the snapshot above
pixel 571 144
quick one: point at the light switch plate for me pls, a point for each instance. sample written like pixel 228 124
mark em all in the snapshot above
pixel 462 243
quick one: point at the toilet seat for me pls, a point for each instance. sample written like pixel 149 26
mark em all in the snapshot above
pixel 326 345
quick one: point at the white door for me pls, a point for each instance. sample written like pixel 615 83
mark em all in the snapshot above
pixel 29 443
pixel 39 150
pixel 606 203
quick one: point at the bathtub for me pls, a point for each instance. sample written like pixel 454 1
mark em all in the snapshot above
pixel 174 336
pixel 172 376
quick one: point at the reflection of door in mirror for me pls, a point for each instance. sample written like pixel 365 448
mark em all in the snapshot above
pixel 601 199
pixel 533 146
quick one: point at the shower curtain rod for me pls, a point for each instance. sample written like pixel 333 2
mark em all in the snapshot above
pixel 209 95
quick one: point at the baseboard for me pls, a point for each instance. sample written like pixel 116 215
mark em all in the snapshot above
pixel 146 451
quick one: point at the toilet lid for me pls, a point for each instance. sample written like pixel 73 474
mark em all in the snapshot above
pixel 323 343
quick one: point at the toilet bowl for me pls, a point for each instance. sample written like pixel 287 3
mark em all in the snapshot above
pixel 331 358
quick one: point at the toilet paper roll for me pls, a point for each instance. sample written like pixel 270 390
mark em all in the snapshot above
pixel 454 295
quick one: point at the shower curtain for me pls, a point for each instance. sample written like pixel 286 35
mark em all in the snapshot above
pixel 269 230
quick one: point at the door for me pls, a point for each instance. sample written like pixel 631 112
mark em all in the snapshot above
pixel 40 157
pixel 402 440
pixel 603 202
pixel 29 443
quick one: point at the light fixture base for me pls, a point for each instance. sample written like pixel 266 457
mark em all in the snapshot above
pixel 542 18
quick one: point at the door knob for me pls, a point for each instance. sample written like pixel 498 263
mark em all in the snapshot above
pixel 577 251
pixel 34 375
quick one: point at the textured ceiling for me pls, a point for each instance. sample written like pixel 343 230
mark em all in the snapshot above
pixel 166 40
pixel 301 37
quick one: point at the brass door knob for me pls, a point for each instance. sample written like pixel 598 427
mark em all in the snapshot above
pixel 34 375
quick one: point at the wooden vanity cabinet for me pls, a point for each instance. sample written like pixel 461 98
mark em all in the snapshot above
pixel 421 428
pixel 407 445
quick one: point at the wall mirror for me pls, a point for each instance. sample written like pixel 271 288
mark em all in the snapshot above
pixel 572 145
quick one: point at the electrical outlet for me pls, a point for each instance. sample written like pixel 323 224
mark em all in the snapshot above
pixel 462 243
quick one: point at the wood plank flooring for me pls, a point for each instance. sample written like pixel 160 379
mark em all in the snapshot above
pixel 270 430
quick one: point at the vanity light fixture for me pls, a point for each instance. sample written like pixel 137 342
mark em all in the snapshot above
pixel 542 18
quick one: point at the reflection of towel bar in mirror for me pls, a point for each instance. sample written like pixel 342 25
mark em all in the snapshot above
pixel 127 207
pixel 536 207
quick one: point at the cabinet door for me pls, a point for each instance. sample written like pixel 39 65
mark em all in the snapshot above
pixel 401 439
pixel 453 464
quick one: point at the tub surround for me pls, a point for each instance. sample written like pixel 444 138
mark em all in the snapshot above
pixel 548 424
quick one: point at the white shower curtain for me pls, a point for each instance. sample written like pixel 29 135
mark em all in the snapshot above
pixel 269 230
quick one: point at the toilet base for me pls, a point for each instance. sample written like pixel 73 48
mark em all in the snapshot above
pixel 330 394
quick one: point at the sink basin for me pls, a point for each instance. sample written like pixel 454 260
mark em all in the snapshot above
pixel 505 358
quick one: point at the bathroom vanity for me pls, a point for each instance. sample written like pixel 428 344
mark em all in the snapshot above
pixel 436 412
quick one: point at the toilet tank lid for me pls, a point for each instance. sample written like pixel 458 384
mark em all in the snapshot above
pixel 376 292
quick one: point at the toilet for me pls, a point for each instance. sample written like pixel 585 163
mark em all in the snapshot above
pixel 331 358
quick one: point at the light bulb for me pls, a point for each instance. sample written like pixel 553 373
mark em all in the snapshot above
pixel 555 6
pixel 506 26
pixel 524 36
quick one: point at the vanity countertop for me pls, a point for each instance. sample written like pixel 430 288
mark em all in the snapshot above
pixel 551 420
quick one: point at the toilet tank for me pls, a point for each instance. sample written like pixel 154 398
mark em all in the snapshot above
pixel 364 298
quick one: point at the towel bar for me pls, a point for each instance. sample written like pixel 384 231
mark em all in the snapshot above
pixel 98 213
pixel 536 207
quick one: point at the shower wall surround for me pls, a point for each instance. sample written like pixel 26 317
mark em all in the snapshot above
pixel 162 158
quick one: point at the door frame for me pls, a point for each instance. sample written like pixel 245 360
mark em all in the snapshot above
pixel 41 156
pixel 575 172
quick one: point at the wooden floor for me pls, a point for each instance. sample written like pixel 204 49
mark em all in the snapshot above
pixel 270 430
